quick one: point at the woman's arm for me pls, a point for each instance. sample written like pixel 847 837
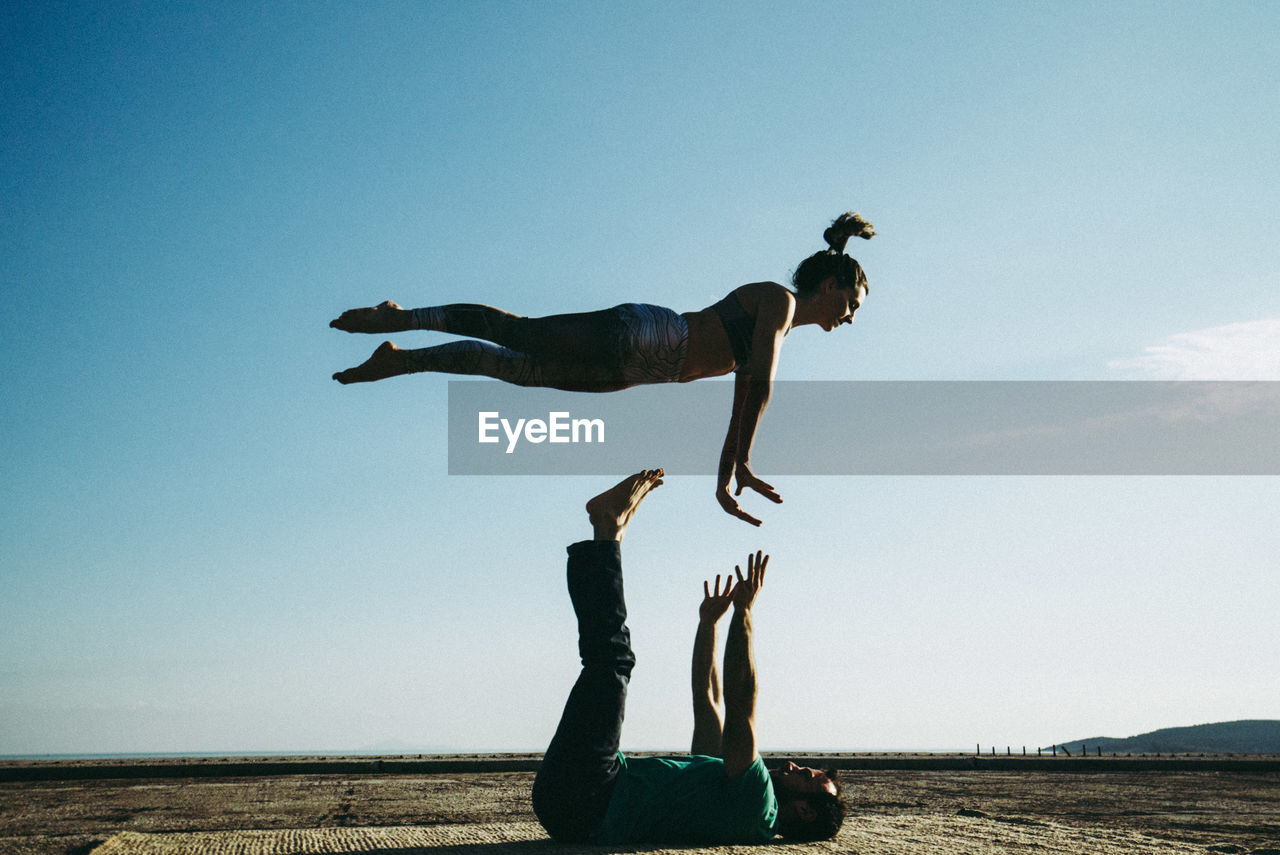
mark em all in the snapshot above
pixel 729 452
pixel 751 392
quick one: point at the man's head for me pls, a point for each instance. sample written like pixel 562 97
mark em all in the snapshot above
pixel 809 804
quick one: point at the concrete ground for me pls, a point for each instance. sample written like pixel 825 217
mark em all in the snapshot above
pixel 890 810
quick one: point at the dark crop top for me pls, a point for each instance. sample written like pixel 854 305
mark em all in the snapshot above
pixel 738 326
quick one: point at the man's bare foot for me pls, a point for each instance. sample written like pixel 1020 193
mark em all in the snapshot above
pixel 387 361
pixel 612 510
pixel 383 318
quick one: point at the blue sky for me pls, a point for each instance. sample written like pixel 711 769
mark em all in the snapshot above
pixel 208 545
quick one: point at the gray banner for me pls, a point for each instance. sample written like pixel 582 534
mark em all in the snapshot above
pixel 876 428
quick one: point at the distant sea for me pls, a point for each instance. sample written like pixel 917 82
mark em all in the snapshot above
pixel 405 751
pixel 145 755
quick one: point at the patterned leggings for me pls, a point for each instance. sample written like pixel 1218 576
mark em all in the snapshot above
pixel 599 351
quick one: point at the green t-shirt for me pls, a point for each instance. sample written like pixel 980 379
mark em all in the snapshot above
pixel 688 800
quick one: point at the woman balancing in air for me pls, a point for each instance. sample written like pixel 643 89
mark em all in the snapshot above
pixel 633 344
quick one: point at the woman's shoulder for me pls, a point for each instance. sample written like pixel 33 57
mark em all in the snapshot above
pixel 755 294
pixel 762 288
pixel 768 299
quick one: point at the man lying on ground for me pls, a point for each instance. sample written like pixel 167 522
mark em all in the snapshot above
pixel 586 790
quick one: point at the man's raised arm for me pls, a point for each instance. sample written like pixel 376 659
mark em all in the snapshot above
pixel 707 726
pixel 740 671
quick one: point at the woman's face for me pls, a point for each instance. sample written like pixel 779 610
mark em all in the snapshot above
pixel 840 304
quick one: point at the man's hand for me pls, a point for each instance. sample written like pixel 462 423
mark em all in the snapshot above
pixel 739 738
pixel 715 603
pixel 731 507
pixel 744 593
pixel 747 480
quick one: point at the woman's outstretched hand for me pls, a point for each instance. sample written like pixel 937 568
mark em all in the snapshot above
pixel 731 507
pixel 747 480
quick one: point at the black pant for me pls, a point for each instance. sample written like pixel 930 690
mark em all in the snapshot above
pixel 575 781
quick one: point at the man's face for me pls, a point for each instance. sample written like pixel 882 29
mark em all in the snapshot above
pixel 791 779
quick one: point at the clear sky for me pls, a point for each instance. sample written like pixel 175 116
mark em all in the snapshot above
pixel 208 545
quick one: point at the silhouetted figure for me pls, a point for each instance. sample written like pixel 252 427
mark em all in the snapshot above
pixel 586 790
pixel 634 344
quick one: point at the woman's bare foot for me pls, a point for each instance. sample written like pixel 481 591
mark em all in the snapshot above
pixel 387 361
pixel 612 510
pixel 383 318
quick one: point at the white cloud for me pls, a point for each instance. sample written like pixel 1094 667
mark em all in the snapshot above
pixel 1249 350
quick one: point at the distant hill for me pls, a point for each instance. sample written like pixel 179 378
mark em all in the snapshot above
pixel 1256 736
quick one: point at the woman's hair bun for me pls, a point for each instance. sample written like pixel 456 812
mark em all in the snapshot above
pixel 847 225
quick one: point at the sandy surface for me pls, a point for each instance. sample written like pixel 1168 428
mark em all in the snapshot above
pixel 889 811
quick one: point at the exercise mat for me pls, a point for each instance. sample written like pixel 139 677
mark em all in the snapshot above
pixel 871 835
